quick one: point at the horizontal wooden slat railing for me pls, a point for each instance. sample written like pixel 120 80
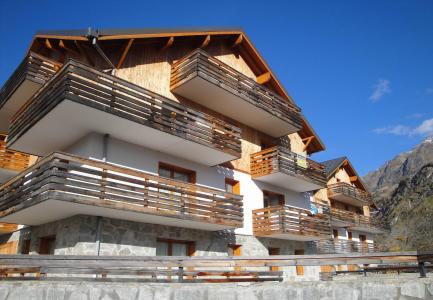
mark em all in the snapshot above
pixel 355 219
pixel 200 62
pixel 290 220
pixel 348 190
pixel 88 86
pixel 280 159
pixel 34 67
pixel 345 246
pixel 70 178
pixel 186 269
pixel 12 160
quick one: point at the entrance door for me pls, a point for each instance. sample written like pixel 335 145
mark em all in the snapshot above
pixel 299 269
pixel 274 251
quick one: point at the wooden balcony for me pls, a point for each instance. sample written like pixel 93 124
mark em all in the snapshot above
pixel 344 246
pixel 354 221
pixel 11 162
pixel 290 223
pixel 66 185
pixel 349 194
pixel 211 83
pixel 80 100
pixel 33 72
pixel 279 166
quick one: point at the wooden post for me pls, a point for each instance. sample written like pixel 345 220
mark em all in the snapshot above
pixel 421 268
pixel 180 274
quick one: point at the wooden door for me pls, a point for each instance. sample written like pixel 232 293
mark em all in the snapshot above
pixel 47 245
pixel 235 250
pixel 299 269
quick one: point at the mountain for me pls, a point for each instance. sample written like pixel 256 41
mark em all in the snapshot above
pixel 403 192
pixel 383 181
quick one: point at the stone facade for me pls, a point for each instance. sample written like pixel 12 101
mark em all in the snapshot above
pixel 362 289
pixel 78 235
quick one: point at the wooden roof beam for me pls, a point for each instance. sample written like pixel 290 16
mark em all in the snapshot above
pixel 205 42
pixel 63 46
pixel 238 41
pixel 353 178
pixel 170 42
pixel 264 78
pixel 84 53
pixel 307 141
pixel 124 53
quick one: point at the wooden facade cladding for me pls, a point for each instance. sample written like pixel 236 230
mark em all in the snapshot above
pixel 352 220
pixel 344 246
pixel 12 160
pixel 199 64
pixel 91 88
pixel 279 160
pixel 287 222
pixel 347 193
pixel 106 190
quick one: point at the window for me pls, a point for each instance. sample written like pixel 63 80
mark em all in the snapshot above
pixel 272 199
pixel 299 269
pixel 335 233
pixel 178 173
pixel 362 238
pixel 47 245
pixel 349 235
pixel 233 186
pixel 25 248
pixel 166 247
pixel 235 250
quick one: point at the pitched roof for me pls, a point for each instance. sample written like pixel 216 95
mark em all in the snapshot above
pixel 332 165
pixel 254 59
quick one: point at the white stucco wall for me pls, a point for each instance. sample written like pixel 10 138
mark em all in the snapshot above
pixel 137 157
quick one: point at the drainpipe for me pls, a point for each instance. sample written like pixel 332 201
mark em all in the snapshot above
pixel 105 147
pixel 98 234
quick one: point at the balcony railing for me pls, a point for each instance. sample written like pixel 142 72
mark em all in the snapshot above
pixel 12 160
pixel 289 222
pixel 201 65
pixel 356 221
pixel 35 68
pixel 344 192
pixel 88 87
pixel 72 185
pixel 280 160
pixel 344 246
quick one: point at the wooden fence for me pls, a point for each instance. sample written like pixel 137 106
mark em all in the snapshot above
pixel 284 219
pixel 88 86
pixel 84 181
pixel 12 160
pixel 280 159
pixel 34 67
pixel 186 269
pixel 200 62
pixel 343 188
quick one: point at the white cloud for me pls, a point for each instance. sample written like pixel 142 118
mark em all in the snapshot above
pixel 381 88
pixel 423 129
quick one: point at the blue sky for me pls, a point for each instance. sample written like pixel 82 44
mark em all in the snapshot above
pixel 362 71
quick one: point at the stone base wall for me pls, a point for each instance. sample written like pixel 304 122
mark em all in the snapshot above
pixel 78 235
pixel 373 289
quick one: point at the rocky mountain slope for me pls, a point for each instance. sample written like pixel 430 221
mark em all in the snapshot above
pixel 383 181
pixel 403 191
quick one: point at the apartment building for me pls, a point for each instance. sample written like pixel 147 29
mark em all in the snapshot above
pixel 156 142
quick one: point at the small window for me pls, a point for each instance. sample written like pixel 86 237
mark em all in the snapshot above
pixel 335 233
pixel 235 250
pixel 165 247
pixel 233 186
pixel 272 199
pixel 362 238
pixel 349 235
pixel 177 173
pixel 47 245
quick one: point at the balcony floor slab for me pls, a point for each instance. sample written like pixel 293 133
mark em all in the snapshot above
pixel 69 121
pixel 291 182
pixel 52 210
